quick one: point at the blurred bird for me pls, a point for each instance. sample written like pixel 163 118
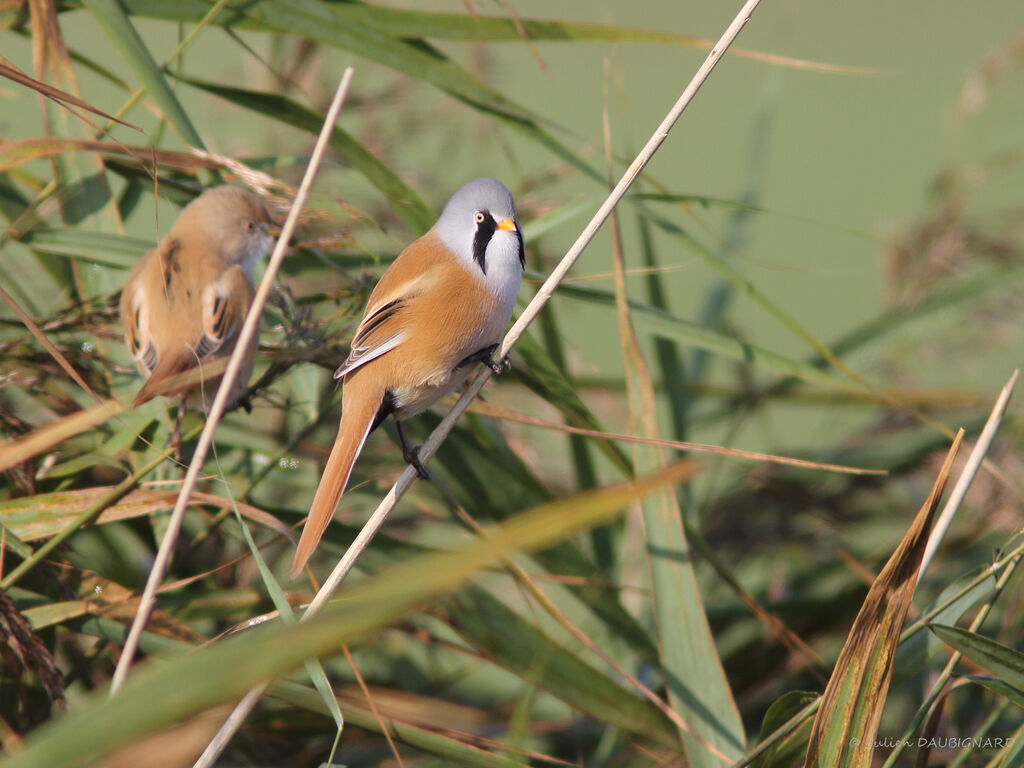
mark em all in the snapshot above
pixel 441 305
pixel 184 303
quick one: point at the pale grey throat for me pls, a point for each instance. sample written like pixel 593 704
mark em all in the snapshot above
pixel 257 245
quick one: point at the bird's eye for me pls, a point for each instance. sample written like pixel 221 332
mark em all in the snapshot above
pixel 479 217
pixel 250 226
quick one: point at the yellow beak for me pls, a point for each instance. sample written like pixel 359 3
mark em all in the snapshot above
pixel 508 225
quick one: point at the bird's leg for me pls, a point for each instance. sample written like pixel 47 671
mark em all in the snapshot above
pixel 244 401
pixel 175 441
pixel 411 455
pixel 486 356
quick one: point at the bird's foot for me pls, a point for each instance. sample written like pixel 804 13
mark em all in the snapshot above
pixel 486 356
pixel 411 455
pixel 245 401
pixel 412 458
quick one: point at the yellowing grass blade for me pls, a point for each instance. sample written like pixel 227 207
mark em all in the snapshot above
pixel 851 707
pixel 37 517
pixel 16 451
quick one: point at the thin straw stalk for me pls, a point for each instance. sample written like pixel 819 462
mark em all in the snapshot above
pixel 427 450
pixel 249 330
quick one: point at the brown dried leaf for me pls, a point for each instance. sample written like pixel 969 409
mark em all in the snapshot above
pixel 11 72
pixel 23 651
pixel 847 721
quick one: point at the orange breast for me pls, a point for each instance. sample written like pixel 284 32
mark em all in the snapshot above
pixel 450 315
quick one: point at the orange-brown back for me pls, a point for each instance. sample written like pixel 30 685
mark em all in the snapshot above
pixel 180 308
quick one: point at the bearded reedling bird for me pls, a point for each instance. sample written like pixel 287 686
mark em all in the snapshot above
pixel 184 303
pixel 441 305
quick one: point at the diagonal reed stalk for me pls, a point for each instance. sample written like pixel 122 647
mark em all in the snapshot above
pixel 249 330
pixel 427 450
pixel 974 462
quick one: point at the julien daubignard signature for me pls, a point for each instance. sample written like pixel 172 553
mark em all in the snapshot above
pixel 939 742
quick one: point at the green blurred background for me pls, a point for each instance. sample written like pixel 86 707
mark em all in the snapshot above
pixel 841 164
pixel 840 195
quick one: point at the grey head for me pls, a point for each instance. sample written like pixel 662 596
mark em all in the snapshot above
pixel 232 222
pixel 479 225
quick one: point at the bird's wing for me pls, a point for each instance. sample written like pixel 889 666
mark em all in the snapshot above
pixel 225 304
pixel 136 320
pixel 382 326
pixel 378 333
pixel 182 365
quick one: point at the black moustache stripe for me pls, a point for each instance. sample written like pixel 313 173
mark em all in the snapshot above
pixel 484 232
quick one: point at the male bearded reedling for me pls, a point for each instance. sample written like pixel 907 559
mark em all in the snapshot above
pixel 443 304
pixel 184 303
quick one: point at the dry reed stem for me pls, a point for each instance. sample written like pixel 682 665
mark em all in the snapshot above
pixel 427 450
pixel 499 413
pixel 249 330
pixel 974 462
pixel 534 308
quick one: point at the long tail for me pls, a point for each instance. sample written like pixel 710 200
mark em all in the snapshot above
pixel 162 381
pixel 361 400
